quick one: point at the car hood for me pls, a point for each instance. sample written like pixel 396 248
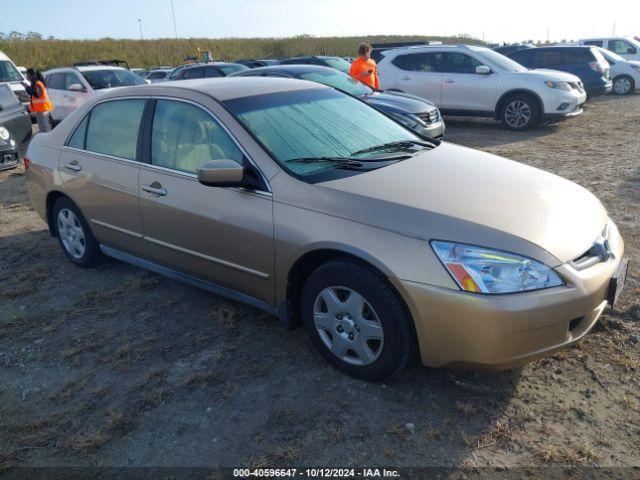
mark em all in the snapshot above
pixel 456 185
pixel 399 102
pixel 547 74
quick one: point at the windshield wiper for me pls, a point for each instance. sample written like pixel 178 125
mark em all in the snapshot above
pixel 397 144
pixel 336 160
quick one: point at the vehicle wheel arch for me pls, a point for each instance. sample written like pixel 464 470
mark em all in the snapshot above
pixel 628 77
pixel 52 198
pixel 516 91
pixel 310 261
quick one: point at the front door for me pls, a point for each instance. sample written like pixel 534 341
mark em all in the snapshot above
pixel 465 90
pixel 222 235
pixel 100 170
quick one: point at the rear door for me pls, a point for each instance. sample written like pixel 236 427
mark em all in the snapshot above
pixel 13 115
pixel 73 98
pixel 462 88
pixel 420 74
pixel 99 167
pixel 221 235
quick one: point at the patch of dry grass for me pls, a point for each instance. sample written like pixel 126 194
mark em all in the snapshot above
pixel 466 409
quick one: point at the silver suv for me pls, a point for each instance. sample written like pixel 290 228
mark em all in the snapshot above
pixel 476 81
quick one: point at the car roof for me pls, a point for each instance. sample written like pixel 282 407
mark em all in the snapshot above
pixel 292 68
pixel 225 88
pixel 88 68
pixel 211 64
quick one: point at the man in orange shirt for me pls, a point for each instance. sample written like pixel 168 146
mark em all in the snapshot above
pixel 364 68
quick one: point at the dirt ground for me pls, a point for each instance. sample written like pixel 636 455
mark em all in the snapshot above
pixel 116 366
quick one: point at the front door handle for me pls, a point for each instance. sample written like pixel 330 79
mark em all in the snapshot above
pixel 449 80
pixel 405 78
pixel 155 188
pixel 73 165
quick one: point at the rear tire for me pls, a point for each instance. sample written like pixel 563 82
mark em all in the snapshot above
pixel 623 85
pixel 74 235
pixel 357 321
pixel 519 112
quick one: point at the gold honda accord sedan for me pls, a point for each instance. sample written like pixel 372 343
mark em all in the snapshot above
pixel 306 202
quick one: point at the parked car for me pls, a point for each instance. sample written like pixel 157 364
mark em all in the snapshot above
pixel 141 72
pixel 208 70
pixel 304 201
pixel 9 149
pixel 253 63
pixel 415 113
pixel 585 62
pixel 70 87
pixel 476 81
pixel 508 49
pixel 10 75
pixel 625 74
pixel 321 60
pixel 14 116
pixel 158 75
pixel 628 48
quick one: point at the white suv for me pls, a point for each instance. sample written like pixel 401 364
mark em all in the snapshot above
pixel 70 87
pixel 476 81
pixel 10 75
pixel 627 48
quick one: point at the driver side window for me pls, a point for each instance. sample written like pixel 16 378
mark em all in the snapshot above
pixel 184 136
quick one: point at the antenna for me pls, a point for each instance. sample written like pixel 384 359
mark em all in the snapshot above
pixel 173 13
pixel 140 25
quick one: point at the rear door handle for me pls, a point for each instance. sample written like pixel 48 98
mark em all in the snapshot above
pixel 155 188
pixel 73 165
pixel 449 80
pixel 405 78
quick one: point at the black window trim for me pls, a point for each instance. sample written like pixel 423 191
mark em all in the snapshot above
pixel 146 144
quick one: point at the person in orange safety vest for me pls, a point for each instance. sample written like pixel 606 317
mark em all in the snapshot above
pixel 364 68
pixel 40 103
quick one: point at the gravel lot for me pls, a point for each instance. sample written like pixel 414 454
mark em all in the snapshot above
pixel 119 367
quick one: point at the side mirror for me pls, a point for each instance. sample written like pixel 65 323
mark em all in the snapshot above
pixel 221 173
pixel 76 87
pixel 483 70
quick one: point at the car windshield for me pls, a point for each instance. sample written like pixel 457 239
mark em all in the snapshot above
pixel 338 80
pixel 99 79
pixel 614 57
pixel 338 63
pixel 500 61
pixel 9 73
pixel 315 124
pixel 229 69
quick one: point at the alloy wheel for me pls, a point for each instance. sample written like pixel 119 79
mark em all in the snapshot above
pixel 71 233
pixel 517 114
pixel 622 86
pixel 348 325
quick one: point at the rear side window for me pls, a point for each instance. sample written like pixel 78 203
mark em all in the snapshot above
pixel 419 62
pixel 212 72
pixel 113 128
pixel 7 98
pixel 77 139
pixel 156 75
pixel 578 55
pixel 595 43
pixel 545 58
pixel 194 73
pixel 184 136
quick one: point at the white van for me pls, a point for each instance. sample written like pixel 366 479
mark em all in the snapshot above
pixel 628 48
pixel 9 74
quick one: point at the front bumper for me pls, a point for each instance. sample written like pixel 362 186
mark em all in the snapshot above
pixel 560 104
pixel 460 329
pixel 8 157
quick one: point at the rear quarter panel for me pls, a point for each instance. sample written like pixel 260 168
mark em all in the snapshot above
pixel 42 176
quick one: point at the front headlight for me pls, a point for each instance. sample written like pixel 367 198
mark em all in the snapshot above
pixel 558 85
pixel 408 119
pixel 4 134
pixel 483 270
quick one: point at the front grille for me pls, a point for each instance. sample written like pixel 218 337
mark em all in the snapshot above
pixel 8 158
pixel 430 117
pixel 597 253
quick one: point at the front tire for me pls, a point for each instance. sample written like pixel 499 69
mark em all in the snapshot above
pixel 520 112
pixel 74 235
pixel 623 85
pixel 357 321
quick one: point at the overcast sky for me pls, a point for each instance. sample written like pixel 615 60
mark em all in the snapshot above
pixel 496 20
